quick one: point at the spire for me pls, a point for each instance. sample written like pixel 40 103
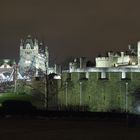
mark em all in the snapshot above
pixel 29 36
pixel 21 42
pixel 29 41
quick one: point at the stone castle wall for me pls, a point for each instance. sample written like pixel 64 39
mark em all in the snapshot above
pixel 94 94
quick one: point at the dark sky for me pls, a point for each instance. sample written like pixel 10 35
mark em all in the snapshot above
pixel 70 27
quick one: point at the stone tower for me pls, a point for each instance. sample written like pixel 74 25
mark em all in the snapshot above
pixel 33 57
pixel 138 53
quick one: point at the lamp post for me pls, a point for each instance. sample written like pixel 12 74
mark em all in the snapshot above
pixel 126 97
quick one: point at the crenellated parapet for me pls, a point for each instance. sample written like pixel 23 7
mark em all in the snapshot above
pixel 100 93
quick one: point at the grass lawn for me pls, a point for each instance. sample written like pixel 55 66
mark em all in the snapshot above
pixel 37 102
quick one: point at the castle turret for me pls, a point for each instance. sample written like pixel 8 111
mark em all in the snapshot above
pixel 138 53
pixel 36 46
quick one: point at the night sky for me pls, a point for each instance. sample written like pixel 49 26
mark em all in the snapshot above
pixel 70 28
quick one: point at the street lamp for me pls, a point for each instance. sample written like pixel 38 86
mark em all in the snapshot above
pixel 126 97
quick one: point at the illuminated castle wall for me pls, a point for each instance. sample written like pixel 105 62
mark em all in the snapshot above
pixel 112 85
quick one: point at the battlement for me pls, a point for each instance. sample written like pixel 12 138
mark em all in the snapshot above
pixel 101 75
pixel 103 58
pixel 100 90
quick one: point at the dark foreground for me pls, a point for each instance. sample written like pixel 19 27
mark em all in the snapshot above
pixel 23 122
pixel 58 126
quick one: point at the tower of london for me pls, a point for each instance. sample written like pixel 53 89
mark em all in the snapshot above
pixel 112 84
